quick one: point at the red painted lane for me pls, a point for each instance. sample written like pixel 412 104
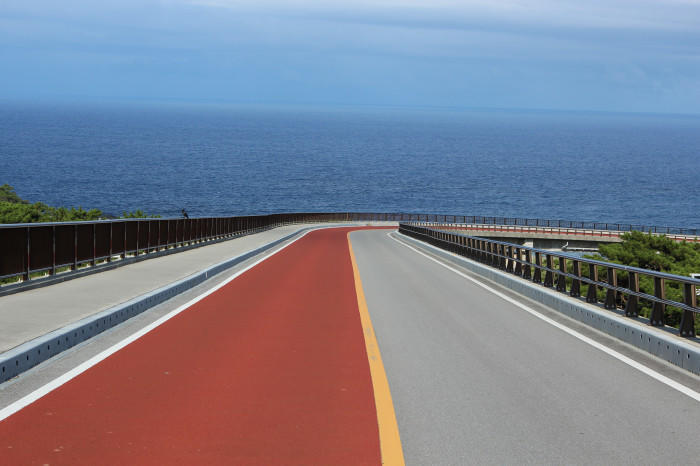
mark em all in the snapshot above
pixel 270 369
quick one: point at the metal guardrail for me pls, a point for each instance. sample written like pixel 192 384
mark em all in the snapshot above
pixel 531 264
pixel 563 231
pixel 566 224
pixel 52 248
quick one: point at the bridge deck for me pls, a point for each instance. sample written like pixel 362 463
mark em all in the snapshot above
pixel 272 368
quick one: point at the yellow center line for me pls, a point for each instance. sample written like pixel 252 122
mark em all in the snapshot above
pixel 389 440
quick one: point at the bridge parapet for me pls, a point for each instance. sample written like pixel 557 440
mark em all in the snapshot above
pixel 52 252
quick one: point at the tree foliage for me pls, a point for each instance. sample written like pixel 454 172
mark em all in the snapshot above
pixel 658 253
pixel 14 209
pixel 138 214
pixel 652 252
pixel 8 194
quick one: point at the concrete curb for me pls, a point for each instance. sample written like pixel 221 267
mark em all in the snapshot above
pixel 678 351
pixel 27 355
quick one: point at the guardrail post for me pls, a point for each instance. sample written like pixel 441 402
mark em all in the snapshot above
pixel 576 282
pixel 611 294
pixel 502 261
pixel 549 276
pixel 527 269
pixel 518 265
pixel 53 250
pixel 687 326
pixel 657 317
pixel 538 270
pixel 631 308
pixel 138 233
pixel 28 251
pixel 561 278
pixel 509 260
pixel 111 248
pixel 93 262
pixel 494 254
pixel 592 295
pixel 75 247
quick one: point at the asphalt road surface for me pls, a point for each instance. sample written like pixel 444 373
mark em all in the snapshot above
pixel 273 367
pixel 477 380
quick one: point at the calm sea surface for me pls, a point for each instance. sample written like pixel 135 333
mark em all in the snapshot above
pixel 227 161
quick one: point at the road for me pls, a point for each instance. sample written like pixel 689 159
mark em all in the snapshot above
pixel 269 369
pixel 273 367
pixel 476 380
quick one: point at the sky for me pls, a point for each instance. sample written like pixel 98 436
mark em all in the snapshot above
pixel 611 55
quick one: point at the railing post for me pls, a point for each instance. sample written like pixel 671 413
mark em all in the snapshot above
pixel 509 260
pixel 657 317
pixel 549 276
pixel 53 250
pixel 138 233
pixel 611 294
pixel 75 247
pixel 527 269
pixel 111 237
pixel 494 255
pixel 538 271
pixel 125 224
pixel 576 282
pixel 687 326
pixel 518 264
pixel 561 278
pixel 28 254
pixel 631 308
pixel 93 262
pixel 592 295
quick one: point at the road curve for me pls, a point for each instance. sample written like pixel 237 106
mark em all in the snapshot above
pixel 269 369
pixel 477 380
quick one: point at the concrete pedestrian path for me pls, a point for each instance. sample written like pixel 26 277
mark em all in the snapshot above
pixel 31 314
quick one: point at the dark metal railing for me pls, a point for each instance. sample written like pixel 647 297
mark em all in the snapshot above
pixel 551 269
pixel 50 248
pixel 514 230
pixel 570 224
pixel 31 249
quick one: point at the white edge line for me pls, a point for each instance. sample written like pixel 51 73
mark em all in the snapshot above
pixel 62 379
pixel 631 362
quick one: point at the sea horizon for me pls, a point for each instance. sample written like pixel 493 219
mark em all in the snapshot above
pixel 252 159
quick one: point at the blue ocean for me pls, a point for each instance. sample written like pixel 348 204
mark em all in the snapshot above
pixel 217 160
